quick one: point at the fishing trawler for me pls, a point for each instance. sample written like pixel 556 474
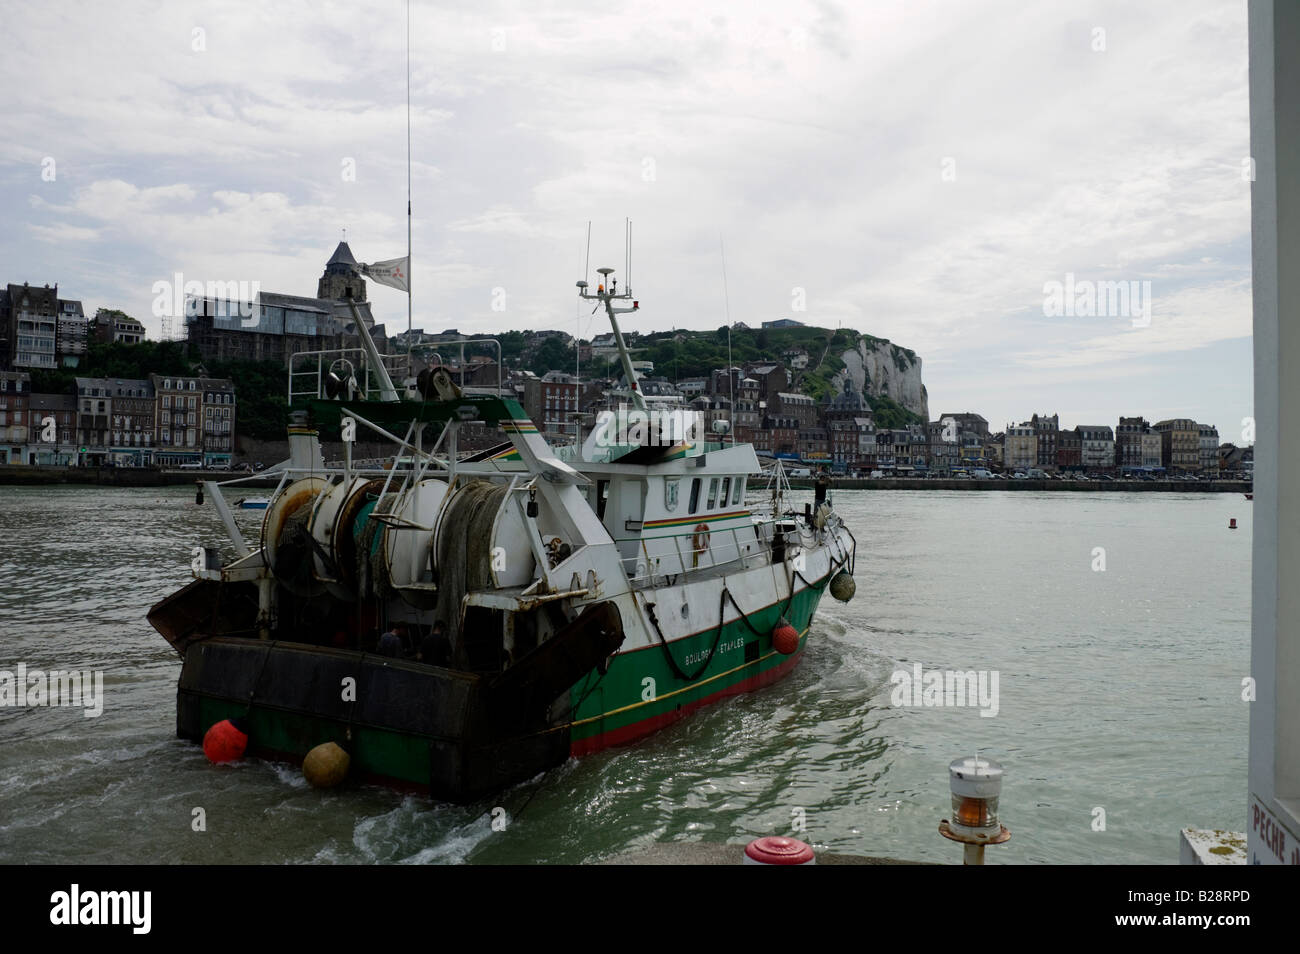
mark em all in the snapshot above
pixel 588 594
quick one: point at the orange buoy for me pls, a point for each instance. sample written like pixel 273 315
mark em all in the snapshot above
pixel 785 638
pixel 224 742
pixel 1232 523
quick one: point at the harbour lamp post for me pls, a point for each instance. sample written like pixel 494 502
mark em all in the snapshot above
pixel 976 786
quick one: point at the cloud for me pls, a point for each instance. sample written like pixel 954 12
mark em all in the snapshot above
pixel 810 137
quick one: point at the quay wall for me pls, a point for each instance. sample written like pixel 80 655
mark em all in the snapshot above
pixel 1084 486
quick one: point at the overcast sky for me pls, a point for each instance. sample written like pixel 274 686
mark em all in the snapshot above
pixel 919 170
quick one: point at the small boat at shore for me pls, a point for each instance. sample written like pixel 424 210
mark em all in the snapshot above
pixel 556 600
pixel 253 503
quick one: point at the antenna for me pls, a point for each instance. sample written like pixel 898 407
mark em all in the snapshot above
pixel 410 367
pixel 586 265
pixel 731 377
pixel 627 272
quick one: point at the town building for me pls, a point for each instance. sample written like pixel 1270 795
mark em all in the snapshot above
pixel 1097 450
pixel 32 324
pixel 1152 452
pixel 15 389
pixel 113 326
pixel 1046 430
pixel 994 447
pixel 551 402
pixel 796 358
pixel 71 334
pixel 1128 442
pixel 815 446
pixel 693 387
pixel 94 414
pixel 276 326
pixel 782 436
pixel 846 406
pixel 115 422
pixel 969 421
pixel 944 447
pixel 1020 449
pixel 51 430
pixel 867 446
pixel 772 380
pixel 1209 450
pixel 177 415
pixel 749 407
pixel 846 442
pixel 132 436
pixel 1069 451
pixel 800 407
pixel 1180 444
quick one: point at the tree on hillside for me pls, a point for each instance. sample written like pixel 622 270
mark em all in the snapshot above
pixel 553 355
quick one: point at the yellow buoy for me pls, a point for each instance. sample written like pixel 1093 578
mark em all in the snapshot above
pixel 843 587
pixel 326 765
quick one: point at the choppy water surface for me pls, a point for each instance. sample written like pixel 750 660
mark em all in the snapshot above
pixel 1119 690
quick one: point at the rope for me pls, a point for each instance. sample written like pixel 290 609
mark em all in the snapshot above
pixel 258 681
pixel 663 643
pixel 722 615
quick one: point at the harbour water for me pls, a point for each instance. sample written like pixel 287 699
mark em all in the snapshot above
pixel 1119 701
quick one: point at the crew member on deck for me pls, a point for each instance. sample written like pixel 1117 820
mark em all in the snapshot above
pixel 435 649
pixel 393 642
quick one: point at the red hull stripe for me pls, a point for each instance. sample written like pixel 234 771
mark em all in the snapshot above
pixel 701 518
pixel 636 730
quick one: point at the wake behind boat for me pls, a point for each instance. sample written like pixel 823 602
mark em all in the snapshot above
pixel 567 599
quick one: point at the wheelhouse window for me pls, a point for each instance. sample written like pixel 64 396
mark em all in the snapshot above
pixel 713 493
pixel 737 491
pixel 695 494
pixel 726 492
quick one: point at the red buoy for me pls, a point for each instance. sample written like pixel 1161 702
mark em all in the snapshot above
pixel 1232 523
pixel 775 850
pixel 785 637
pixel 224 742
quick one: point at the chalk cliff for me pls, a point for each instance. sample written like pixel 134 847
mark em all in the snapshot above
pixel 881 368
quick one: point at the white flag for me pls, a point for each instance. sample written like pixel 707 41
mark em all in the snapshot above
pixel 393 272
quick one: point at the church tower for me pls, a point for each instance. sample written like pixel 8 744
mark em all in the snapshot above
pixel 339 277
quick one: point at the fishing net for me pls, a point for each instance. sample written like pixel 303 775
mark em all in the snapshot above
pixel 465 548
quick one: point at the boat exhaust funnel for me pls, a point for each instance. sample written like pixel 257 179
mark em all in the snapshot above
pixel 304 444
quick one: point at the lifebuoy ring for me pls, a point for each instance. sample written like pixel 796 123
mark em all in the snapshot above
pixel 700 541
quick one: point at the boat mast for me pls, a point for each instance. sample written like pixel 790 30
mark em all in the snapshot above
pixel 607 296
pixel 410 367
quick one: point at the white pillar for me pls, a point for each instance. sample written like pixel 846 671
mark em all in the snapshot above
pixel 1273 820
